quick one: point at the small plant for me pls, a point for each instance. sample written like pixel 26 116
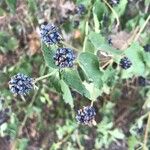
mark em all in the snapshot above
pixel 94 58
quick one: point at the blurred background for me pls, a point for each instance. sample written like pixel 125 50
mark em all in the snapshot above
pixel 49 124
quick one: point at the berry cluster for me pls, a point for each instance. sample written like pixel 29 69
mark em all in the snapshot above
pixel 113 2
pixel 50 34
pixel 80 9
pixel 64 57
pixel 125 63
pixel 20 84
pixel 86 115
pixel 147 48
pixel 141 81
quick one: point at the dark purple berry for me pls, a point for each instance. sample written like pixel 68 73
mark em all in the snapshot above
pixel 141 81
pixel 50 34
pixel 20 84
pixel 147 48
pixel 64 57
pixel 113 2
pixel 80 9
pixel 125 63
pixel 110 41
pixel 3 117
pixel 76 23
pixel 86 115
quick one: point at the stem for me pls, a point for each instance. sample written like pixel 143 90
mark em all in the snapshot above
pixel 114 12
pixel 142 28
pixel 45 76
pixel 68 45
pixel 146 132
pixel 92 102
pixel 87 25
pixel 78 141
pixel 24 120
pixel 65 138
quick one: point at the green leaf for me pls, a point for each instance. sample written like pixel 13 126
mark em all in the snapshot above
pixel 90 65
pixel 135 56
pixel 7 42
pixel 54 80
pixel 116 133
pixel 94 92
pixel 132 142
pixel 22 143
pixel 72 78
pixel 100 43
pixel 32 6
pixel 89 47
pixel 12 5
pixel 48 52
pixel 66 93
pixel 98 11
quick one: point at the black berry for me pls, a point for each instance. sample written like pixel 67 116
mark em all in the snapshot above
pixel 113 2
pixel 76 23
pixel 80 9
pixel 147 48
pixel 125 63
pixel 86 115
pixel 50 34
pixel 64 57
pixel 20 84
pixel 141 81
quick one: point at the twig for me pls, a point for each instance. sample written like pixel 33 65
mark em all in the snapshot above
pixel 146 132
pixel 68 45
pixel 87 25
pixel 24 120
pixel 114 12
pixel 142 28
pixel 45 76
pixel 78 140
pixel 129 41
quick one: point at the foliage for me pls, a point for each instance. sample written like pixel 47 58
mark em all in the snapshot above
pixel 104 35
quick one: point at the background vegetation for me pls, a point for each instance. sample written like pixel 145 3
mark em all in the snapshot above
pixel 100 37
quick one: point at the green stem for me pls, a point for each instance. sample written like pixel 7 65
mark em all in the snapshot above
pixel 45 76
pixel 146 133
pixel 87 25
pixel 70 46
pixel 114 12
pixel 142 28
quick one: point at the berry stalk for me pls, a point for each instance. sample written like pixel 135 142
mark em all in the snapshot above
pixel 45 76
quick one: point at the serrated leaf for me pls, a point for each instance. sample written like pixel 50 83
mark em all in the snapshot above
pixel 100 43
pixel 66 93
pixel 94 92
pixel 48 52
pixel 72 78
pixel 135 56
pixel 90 65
